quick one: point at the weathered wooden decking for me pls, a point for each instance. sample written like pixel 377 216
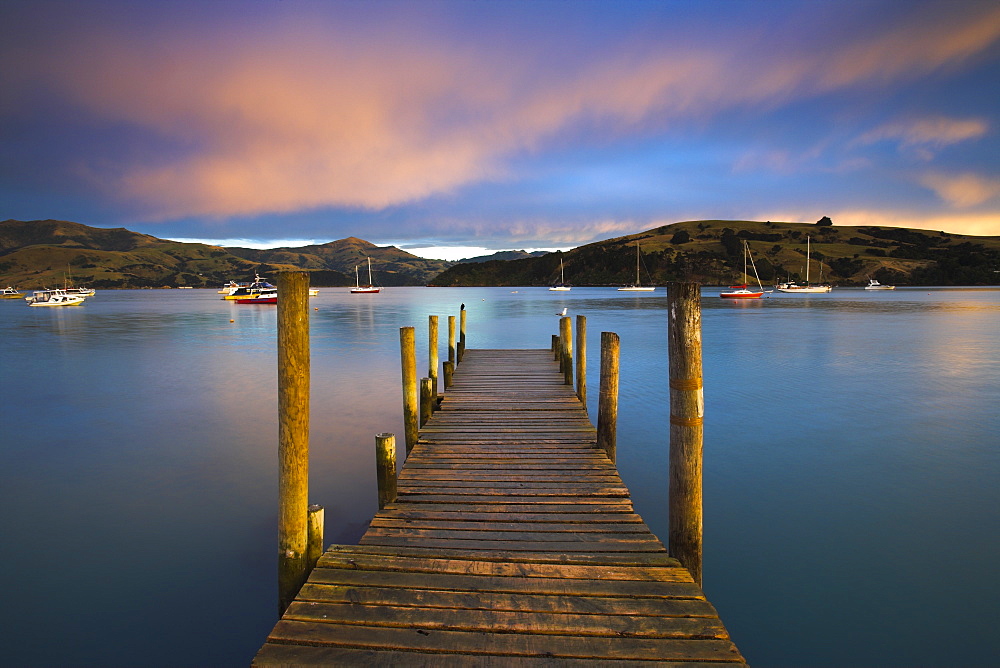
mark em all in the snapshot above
pixel 513 542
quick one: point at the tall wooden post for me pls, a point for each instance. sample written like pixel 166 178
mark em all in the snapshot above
pixel 432 352
pixel 687 413
pixel 426 400
pixel 451 339
pixel 385 468
pixel 411 414
pixel 449 373
pixel 566 336
pixel 607 399
pixel 581 359
pixel 461 335
pixel 315 541
pixel 293 434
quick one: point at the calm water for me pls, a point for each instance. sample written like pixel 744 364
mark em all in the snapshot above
pixel 851 463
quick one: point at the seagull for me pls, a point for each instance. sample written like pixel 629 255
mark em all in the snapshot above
pixel 563 311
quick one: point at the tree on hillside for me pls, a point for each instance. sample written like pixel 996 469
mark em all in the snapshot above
pixel 680 237
pixel 824 221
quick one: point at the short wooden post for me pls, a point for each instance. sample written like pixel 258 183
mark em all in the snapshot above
pixel 315 548
pixel 557 350
pixel 426 400
pixel 293 434
pixel 461 335
pixel 607 400
pixel 385 468
pixel 432 352
pixel 566 337
pixel 451 339
pixel 687 413
pixel 555 343
pixel 411 407
pixel 581 359
pixel 449 373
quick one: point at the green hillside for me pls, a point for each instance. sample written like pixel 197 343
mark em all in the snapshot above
pixel 49 253
pixel 711 252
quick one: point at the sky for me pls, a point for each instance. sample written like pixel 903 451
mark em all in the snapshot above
pixel 457 127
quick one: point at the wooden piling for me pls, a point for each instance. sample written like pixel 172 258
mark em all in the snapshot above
pixel 557 350
pixel 315 532
pixel 293 434
pixel 566 336
pixel 449 373
pixel 426 400
pixel 607 400
pixel 461 335
pixel 555 343
pixel 432 352
pixel 385 468
pixel 581 359
pixel 411 406
pixel 451 339
pixel 687 413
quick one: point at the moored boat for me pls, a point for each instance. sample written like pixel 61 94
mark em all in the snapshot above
pixel 10 293
pixel 268 296
pixel 637 286
pixel 875 285
pixel 368 289
pixel 742 291
pixel 561 285
pixel 808 287
pixel 53 298
pixel 248 290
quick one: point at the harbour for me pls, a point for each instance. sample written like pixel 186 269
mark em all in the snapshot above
pixel 846 435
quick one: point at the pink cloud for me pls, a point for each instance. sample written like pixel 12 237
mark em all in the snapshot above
pixel 305 113
pixel 962 190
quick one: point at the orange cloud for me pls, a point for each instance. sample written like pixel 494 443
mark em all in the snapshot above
pixel 962 190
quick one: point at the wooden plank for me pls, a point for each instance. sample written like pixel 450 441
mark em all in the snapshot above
pixel 517 644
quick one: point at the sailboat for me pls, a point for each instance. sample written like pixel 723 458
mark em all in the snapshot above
pixel 636 287
pixel 742 291
pixel 561 285
pixel 364 289
pixel 807 288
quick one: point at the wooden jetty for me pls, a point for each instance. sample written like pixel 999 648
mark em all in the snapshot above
pixel 512 541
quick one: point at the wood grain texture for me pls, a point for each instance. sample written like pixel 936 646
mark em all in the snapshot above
pixel 512 542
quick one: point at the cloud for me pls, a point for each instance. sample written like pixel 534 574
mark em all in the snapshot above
pixel 306 112
pixel 962 190
pixel 933 132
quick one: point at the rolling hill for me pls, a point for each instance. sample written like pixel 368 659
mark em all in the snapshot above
pixel 47 253
pixel 711 252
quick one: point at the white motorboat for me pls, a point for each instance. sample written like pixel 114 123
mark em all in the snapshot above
pixel 10 293
pixel 53 298
pixel 875 285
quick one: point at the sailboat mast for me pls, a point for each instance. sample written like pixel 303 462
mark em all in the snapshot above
pixel 369 271
pixel 807 259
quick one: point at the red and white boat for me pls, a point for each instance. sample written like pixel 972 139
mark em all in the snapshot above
pixel 364 289
pixel 266 296
pixel 742 291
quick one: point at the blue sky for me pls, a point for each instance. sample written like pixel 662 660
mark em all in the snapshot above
pixel 497 125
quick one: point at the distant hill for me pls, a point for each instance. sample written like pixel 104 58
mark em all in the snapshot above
pixel 47 253
pixel 503 255
pixel 390 265
pixel 711 252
